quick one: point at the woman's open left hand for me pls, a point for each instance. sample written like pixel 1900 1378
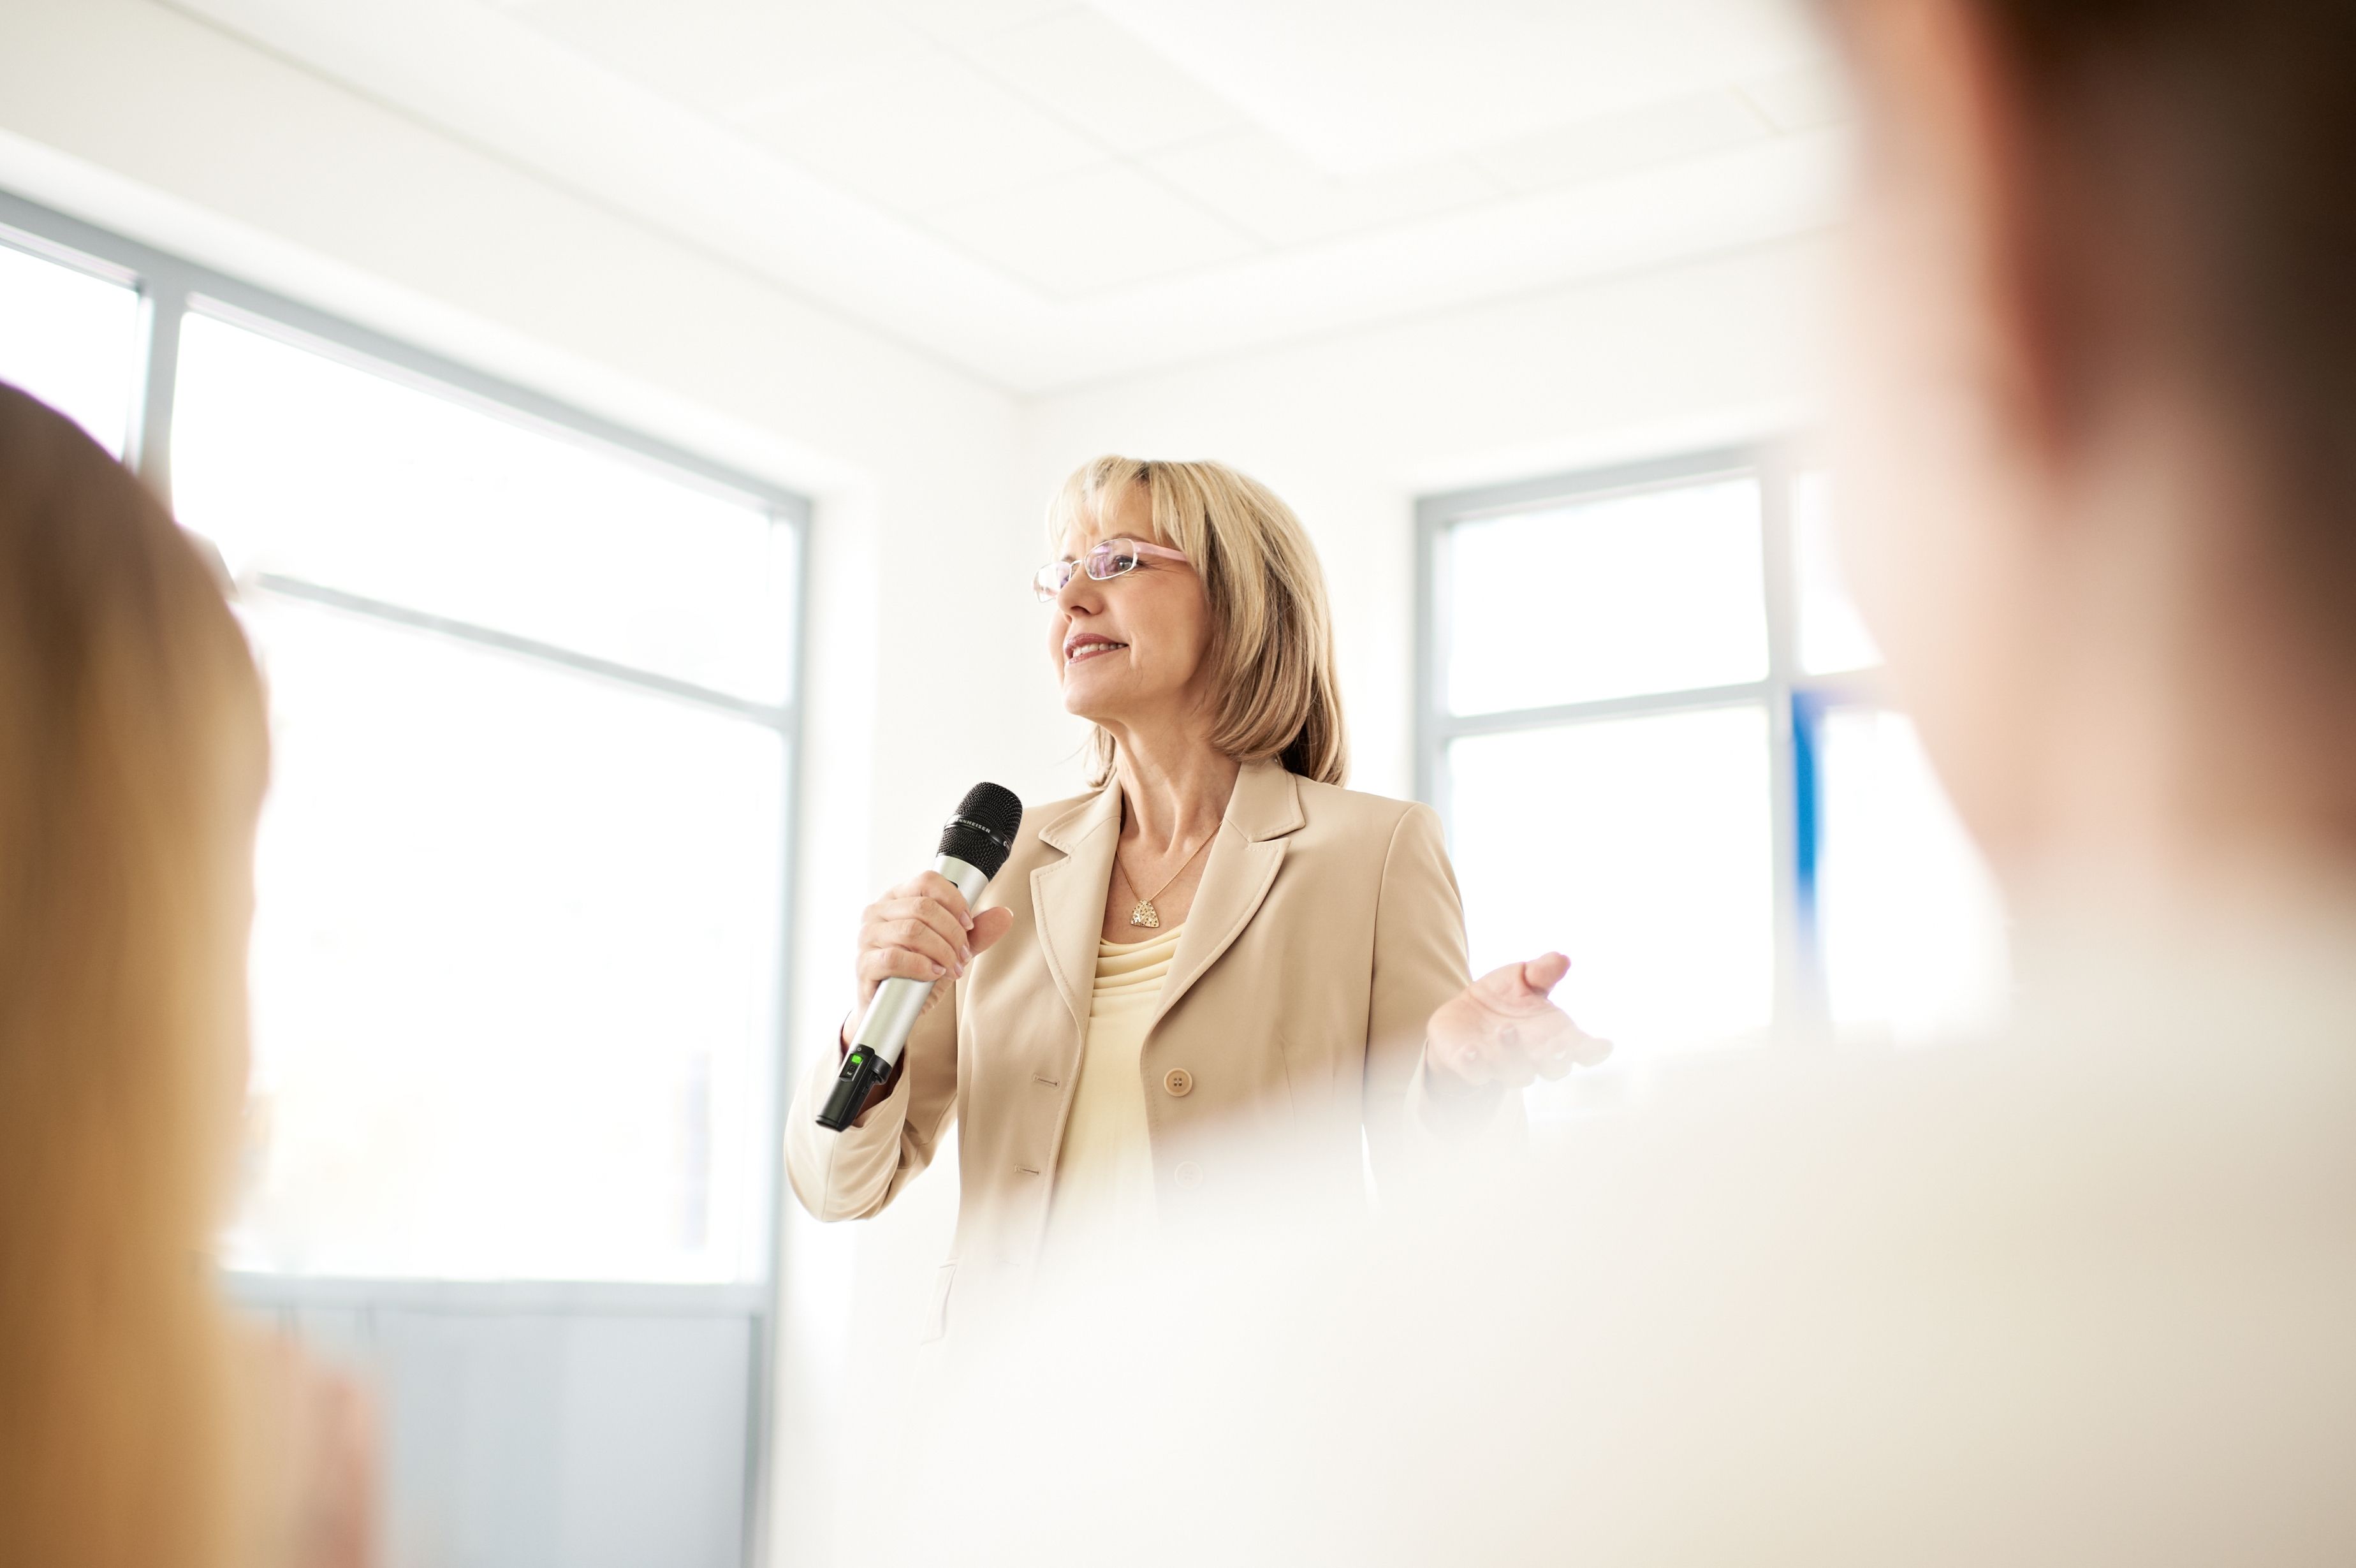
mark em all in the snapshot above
pixel 1501 1030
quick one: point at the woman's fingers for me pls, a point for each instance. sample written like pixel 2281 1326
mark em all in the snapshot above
pixel 922 930
pixel 1522 988
pixel 989 926
pixel 1564 1046
pixel 915 935
pixel 892 914
pixel 1544 972
pixel 1529 1049
pixel 879 964
pixel 932 884
pixel 1575 1049
pixel 1502 1030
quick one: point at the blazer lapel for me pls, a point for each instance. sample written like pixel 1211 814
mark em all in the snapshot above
pixel 1068 897
pixel 1264 808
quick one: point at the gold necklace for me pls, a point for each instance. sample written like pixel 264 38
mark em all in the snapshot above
pixel 1145 914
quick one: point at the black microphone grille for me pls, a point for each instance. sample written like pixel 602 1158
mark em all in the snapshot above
pixel 982 832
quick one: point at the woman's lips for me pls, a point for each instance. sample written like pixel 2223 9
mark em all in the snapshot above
pixel 1080 650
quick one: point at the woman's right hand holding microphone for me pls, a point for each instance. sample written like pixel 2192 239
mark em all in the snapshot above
pixel 921 930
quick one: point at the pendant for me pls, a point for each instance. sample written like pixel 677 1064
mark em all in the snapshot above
pixel 1144 915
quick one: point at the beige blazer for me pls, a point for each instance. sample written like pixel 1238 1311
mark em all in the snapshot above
pixel 1326 930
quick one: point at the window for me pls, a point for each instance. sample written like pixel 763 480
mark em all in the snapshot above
pixel 69 335
pixel 1655 727
pixel 517 957
pixel 518 972
pixel 1641 845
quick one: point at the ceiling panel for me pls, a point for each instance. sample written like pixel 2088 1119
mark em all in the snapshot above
pixel 955 21
pixel 878 168
pixel 721 56
pixel 1626 142
pixel 1086 233
pixel 1105 80
pixel 1359 85
pixel 1268 190
pixel 934 134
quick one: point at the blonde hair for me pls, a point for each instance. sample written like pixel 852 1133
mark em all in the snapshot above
pixel 133 754
pixel 1271 634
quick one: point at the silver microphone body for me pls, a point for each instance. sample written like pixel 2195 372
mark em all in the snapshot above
pixel 975 844
pixel 891 1016
pixel 900 1002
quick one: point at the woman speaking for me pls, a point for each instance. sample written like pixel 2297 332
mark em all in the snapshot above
pixel 1214 951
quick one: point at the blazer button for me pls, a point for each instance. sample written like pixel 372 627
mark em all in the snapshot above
pixel 1189 1174
pixel 1179 1082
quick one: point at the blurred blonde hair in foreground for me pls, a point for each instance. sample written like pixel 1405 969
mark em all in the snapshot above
pixel 132 757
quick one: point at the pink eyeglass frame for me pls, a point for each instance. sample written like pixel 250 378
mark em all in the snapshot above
pixel 1135 550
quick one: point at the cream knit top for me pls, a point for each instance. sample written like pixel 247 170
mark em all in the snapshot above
pixel 1103 1201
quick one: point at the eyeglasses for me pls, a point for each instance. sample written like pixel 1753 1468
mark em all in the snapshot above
pixel 1105 559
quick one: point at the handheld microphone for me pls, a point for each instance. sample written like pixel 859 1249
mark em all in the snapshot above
pixel 974 843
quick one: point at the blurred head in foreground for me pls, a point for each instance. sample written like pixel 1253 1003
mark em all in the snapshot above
pixel 131 763
pixel 2101 424
pixel 2079 1294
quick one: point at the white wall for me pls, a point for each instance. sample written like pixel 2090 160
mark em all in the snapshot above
pixel 1351 431
pixel 929 484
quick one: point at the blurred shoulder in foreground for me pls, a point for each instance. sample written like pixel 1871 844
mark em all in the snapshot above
pixel 2078 1295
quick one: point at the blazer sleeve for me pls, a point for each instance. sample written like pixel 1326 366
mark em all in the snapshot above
pixel 1420 962
pixel 853 1173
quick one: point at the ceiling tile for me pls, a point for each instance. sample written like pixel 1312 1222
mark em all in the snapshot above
pixel 718 56
pixel 1362 85
pixel 486 76
pixel 935 133
pixel 1082 233
pixel 1268 190
pixel 953 21
pixel 1803 100
pixel 1623 144
pixel 1105 80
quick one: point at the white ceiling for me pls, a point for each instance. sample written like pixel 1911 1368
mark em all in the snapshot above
pixel 1047 192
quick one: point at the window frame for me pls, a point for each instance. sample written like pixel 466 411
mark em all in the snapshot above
pixel 1795 702
pixel 169 287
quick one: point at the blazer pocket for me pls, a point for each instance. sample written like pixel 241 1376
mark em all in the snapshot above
pixel 936 1315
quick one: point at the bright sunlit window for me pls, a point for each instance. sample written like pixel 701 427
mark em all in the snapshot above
pixel 520 880
pixel 1644 848
pixel 1909 924
pixel 69 335
pixel 517 979
pixel 1615 598
pixel 1661 743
